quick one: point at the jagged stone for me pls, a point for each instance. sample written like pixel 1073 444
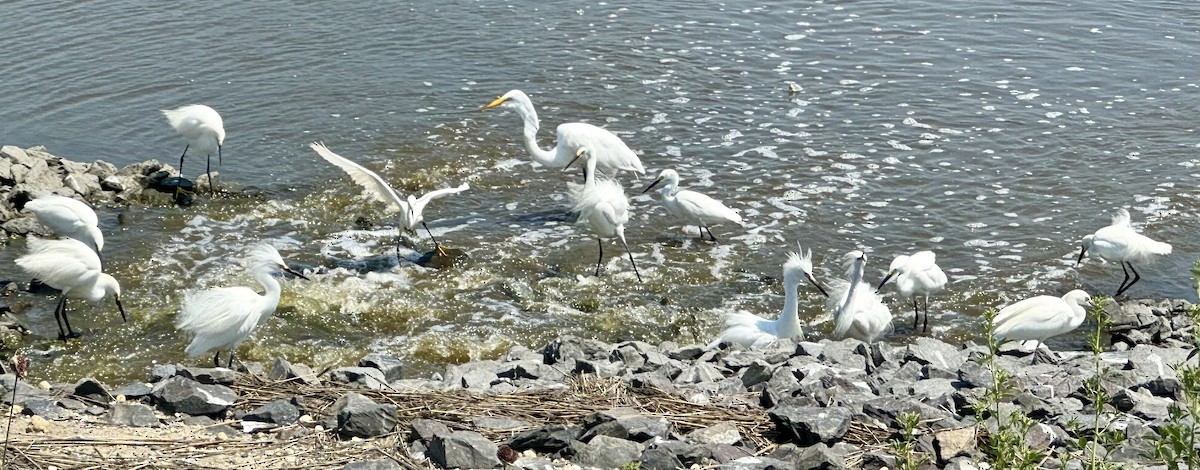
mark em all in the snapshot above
pixel 366 377
pixel 359 416
pixel 463 449
pixel 809 425
pixel 377 464
pixel 625 423
pixel 91 388
pixel 603 452
pixel 182 395
pixel 135 389
pixel 132 414
pixel 571 348
pixel 208 375
pixel 45 408
pixel 281 412
pixel 547 439
pixel 659 458
pixel 720 433
pixel 479 375
pixel 426 429
pixel 281 369
pixel 391 366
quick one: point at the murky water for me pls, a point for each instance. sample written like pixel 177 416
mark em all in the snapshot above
pixel 995 133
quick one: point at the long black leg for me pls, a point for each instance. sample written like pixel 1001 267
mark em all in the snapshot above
pixel 62 300
pixel 437 246
pixel 1136 277
pixel 212 185
pixel 630 253
pixel 217 359
pixel 926 327
pixel 67 321
pixel 916 313
pixel 185 149
pixel 710 235
pixel 229 364
pixel 601 258
pixel 1122 287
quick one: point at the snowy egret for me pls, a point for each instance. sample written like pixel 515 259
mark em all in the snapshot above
pixel 73 268
pixel 1119 242
pixel 409 212
pixel 916 276
pixel 609 151
pixel 602 203
pixel 203 130
pixel 68 217
pixel 1041 317
pixel 223 317
pixel 692 207
pixel 750 330
pixel 858 312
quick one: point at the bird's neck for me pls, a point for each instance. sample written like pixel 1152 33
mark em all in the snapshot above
pixel 540 155
pixel 789 318
pixel 590 179
pixel 269 283
pixel 855 280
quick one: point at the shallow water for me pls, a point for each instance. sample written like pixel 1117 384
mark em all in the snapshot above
pixel 995 133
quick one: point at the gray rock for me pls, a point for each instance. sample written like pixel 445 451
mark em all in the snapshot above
pixel 624 423
pixel 281 412
pixel 426 429
pixel 571 348
pixel 659 458
pixel 91 388
pixel 45 408
pixel 756 373
pixel 463 449
pixel 654 380
pixel 181 395
pixel 756 463
pixel 700 373
pixel 133 389
pixel 820 456
pixel 1142 404
pixel 477 375
pixel 132 414
pixel 888 409
pixel 686 353
pixel 359 416
pixel 208 375
pixel 1134 451
pixel 25 392
pixel 366 377
pixel 378 464
pixel 721 433
pixel 281 369
pixel 159 372
pixel 547 439
pixel 529 369
pixel 844 354
pixel 603 452
pixel 601 368
pixel 391 366
pixel 809 425
pixel 951 443
pixel 974 375
pixel 934 352
pixel 498 423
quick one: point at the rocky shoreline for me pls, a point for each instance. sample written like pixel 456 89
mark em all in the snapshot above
pixel 581 403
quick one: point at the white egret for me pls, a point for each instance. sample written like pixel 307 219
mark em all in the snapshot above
pixel 752 331
pixel 223 317
pixel 68 217
pixel 409 212
pixel 1119 242
pixel 1039 318
pixel 609 151
pixel 73 268
pixel 916 276
pixel 692 207
pixel 858 312
pixel 204 132
pixel 602 203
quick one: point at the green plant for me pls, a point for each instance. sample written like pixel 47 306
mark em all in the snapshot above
pixel 1006 447
pixel 904 447
pixel 1094 387
pixel 1176 442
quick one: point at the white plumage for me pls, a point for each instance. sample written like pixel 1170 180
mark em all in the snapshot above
pixel 916 276
pixel 690 206
pixel 68 217
pixel 1119 242
pixel 223 317
pixel 1041 317
pixel 610 152
pixel 409 211
pixel 601 203
pixel 753 331
pixel 858 312
pixel 203 130
pixel 73 268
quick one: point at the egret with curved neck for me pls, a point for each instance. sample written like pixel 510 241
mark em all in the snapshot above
pixel 752 331
pixel 858 312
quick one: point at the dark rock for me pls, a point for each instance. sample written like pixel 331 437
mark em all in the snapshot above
pixel 281 369
pixel 844 354
pixel 378 464
pixel 809 425
pixel 208 375
pixel 1142 404
pixel 654 380
pixel 571 348
pixel 689 453
pixel 181 395
pixel 603 452
pixel 888 409
pixel 463 449
pixel 547 439
pixel 366 377
pixel 45 408
pixel 603 368
pixel 132 414
pixel 756 373
pixel 281 412
pixel 135 389
pixel 391 366
pixel 975 375
pixel 820 456
pixel 529 369
pixel 659 458
pixel 91 388
pixel 159 372
pixel 686 353
pixel 25 392
pixel 426 429
pixel 359 416
pixel 624 423
pixel 1133 451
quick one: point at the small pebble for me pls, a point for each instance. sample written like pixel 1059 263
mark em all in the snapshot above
pixel 38 424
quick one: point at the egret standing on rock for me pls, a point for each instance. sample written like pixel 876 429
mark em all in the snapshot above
pixel 858 312
pixel 68 217
pixel 1039 318
pixel 223 317
pixel 916 276
pixel 752 331
pixel 602 203
pixel 73 268
pixel 409 212
pixel 692 207
pixel 609 151
pixel 204 132
pixel 1119 242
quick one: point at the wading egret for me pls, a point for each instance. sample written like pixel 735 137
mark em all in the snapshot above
pixel 1041 317
pixel 204 132
pixel 1119 242
pixel 752 331
pixel 73 268
pixel 601 202
pixel 916 276
pixel 609 151
pixel 68 217
pixel 409 212
pixel 692 207
pixel 223 317
pixel 858 312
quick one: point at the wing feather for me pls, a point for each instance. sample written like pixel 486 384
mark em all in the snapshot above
pixel 375 186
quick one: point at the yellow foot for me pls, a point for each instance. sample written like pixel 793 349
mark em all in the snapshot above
pixel 441 251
